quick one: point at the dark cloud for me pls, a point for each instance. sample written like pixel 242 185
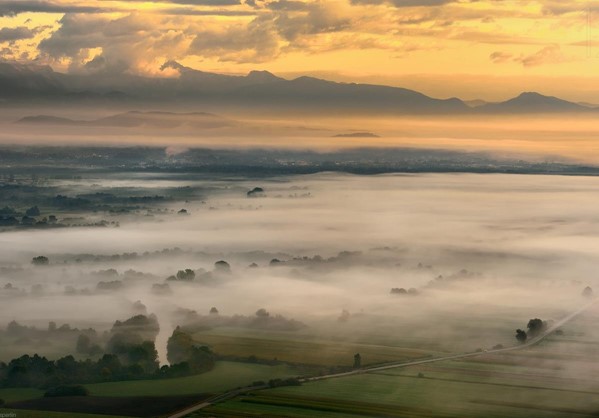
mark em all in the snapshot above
pixel 405 3
pixel 126 43
pixel 15 34
pixel 184 11
pixel 206 2
pixel 12 8
pixel 257 41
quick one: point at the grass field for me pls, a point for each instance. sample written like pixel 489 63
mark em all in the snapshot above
pixel 293 348
pixel 21 413
pixel 135 406
pixel 557 378
pixel 224 376
pixel 19 394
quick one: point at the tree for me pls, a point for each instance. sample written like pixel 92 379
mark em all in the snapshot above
pixel 222 266
pixel 186 275
pixel 83 344
pixel 33 211
pixel 521 335
pixel 357 361
pixel 67 390
pixel 181 349
pixel 256 192
pixel 262 313
pixel 536 326
pixel 178 347
pixel 40 261
pixel 587 292
pixel 344 317
pixel 213 311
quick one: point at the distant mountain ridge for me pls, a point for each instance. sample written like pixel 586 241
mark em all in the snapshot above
pixel 136 119
pixel 532 100
pixel 257 89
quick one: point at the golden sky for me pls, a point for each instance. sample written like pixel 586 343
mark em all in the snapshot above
pixel 488 49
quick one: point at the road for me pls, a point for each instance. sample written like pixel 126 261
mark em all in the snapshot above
pixel 231 394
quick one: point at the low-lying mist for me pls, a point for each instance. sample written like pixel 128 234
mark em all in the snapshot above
pixel 560 136
pixel 478 255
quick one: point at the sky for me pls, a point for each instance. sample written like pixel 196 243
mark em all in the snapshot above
pixel 489 49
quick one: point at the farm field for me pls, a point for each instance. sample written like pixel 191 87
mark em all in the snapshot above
pixel 557 378
pixel 294 350
pixel 160 396
pixel 224 376
pixel 378 338
pixel 23 413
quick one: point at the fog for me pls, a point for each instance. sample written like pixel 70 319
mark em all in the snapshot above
pixel 559 136
pixel 508 248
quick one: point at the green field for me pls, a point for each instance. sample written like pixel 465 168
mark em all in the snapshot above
pixel 224 376
pixel 557 378
pixel 19 394
pixel 21 413
pixel 320 353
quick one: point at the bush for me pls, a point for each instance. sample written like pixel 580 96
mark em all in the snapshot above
pixel 40 261
pixel 2 402
pixel 276 383
pixel 72 390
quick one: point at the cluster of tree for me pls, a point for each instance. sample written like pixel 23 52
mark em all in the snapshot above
pixel 85 345
pixel 10 217
pixel 66 390
pixel 109 286
pixel 256 192
pixel 401 291
pixel 182 349
pixel 24 333
pixel 262 319
pixel 186 275
pixel 129 277
pixel 201 275
pixel 130 353
pixel 40 260
pixel 39 372
pixel 144 327
pixel 535 327
pixel 277 383
pixel 461 275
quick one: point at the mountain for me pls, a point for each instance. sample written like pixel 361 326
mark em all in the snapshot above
pixel 357 135
pixel 258 90
pixel 135 119
pixel 531 102
pixel 20 80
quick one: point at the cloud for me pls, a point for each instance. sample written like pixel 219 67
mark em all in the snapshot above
pixel 12 8
pixel 135 43
pixel 192 2
pixel 212 12
pixel 257 41
pixel 15 34
pixel 550 54
pixel 499 57
pixel 405 3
